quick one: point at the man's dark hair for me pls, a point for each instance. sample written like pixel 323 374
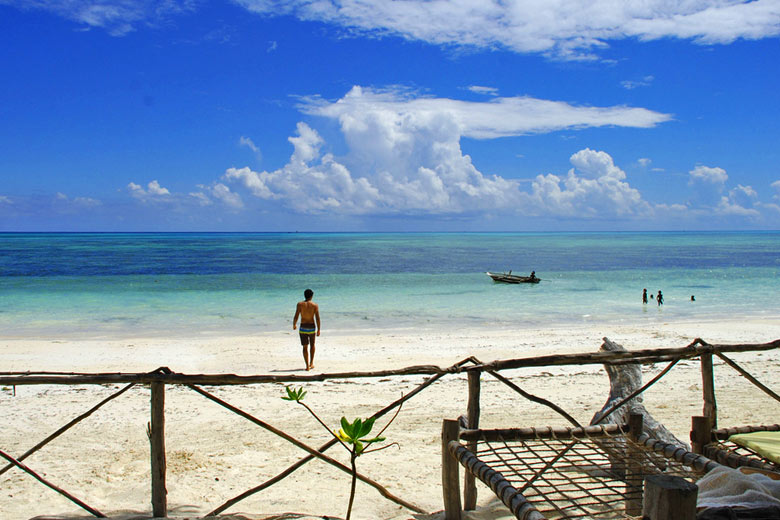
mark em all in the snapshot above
pixel 308 293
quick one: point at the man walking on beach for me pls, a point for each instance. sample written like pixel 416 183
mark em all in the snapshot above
pixel 309 313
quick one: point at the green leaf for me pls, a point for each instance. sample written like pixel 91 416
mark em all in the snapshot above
pixel 294 395
pixel 375 439
pixel 367 427
pixel 346 427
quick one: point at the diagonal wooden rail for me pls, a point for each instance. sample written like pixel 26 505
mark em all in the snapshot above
pixel 48 484
pixel 328 445
pixel 67 427
pixel 164 376
pixel 312 451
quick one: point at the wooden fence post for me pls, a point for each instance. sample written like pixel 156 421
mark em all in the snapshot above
pixel 450 481
pixel 701 433
pixel 634 466
pixel 157 441
pixel 668 497
pixel 708 389
pixel 472 423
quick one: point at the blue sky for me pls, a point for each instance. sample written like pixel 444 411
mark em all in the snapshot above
pixel 380 115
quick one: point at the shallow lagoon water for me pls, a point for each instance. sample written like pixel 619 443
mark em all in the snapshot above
pixel 98 285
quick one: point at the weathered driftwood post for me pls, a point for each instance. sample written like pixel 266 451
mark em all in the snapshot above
pixel 634 466
pixel 708 389
pixel 450 467
pixel 669 497
pixel 157 442
pixel 472 423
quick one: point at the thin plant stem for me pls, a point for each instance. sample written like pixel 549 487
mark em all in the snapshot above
pixel 324 425
pixel 353 458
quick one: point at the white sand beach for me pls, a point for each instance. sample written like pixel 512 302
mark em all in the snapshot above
pixel 214 455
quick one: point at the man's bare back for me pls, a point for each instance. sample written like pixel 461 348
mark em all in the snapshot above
pixel 309 312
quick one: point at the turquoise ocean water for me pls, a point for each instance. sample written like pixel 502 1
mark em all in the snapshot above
pixel 99 285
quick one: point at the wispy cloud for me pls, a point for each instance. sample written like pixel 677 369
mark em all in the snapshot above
pixel 217 191
pixel 487 91
pixel 498 117
pixel 632 84
pixel 78 202
pixel 246 141
pixel 567 29
pixel 118 17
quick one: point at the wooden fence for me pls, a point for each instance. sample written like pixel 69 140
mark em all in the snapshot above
pixel 158 379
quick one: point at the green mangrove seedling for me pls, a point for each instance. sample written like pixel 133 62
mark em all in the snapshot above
pixel 353 436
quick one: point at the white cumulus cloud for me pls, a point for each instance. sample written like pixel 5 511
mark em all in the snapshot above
pixel 706 174
pixel 740 201
pixel 596 165
pixel 594 188
pixel 311 181
pixel 222 193
pixel 404 157
pixel 153 191
pixel 201 198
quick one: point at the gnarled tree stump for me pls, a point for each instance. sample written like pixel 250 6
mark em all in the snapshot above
pixel 623 380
